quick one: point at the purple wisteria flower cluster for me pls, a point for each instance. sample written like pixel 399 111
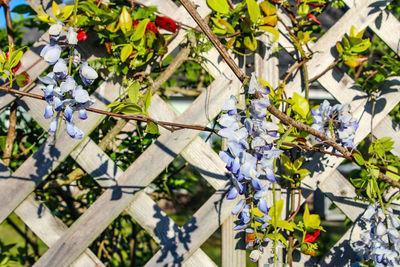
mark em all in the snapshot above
pixel 336 122
pixel 249 156
pixel 62 93
pixel 381 243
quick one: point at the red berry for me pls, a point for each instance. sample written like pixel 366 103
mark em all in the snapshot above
pixel 151 27
pixel 135 23
pixel 166 23
pixel 82 35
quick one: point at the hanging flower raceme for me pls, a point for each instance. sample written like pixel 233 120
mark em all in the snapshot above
pixel 336 122
pixel 381 243
pixel 62 93
pixel 249 157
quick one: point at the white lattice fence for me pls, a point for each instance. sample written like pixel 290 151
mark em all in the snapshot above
pixel 181 245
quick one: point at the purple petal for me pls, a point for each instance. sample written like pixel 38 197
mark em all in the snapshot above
pixel 256 184
pixel 48 112
pixel 82 114
pixel 233 193
pixel 238 207
pixel 262 206
pixel 53 125
pixel 68 112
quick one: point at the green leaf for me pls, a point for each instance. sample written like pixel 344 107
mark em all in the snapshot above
pixel 358 158
pixel 339 48
pixel 126 52
pixel 143 12
pixel 254 10
pixel 23 79
pixel 303 173
pixel 250 42
pixel 286 225
pixel 298 162
pixel 133 92
pixel 220 6
pixel 125 22
pixel 361 47
pixel 271 30
pixel 147 100
pixel 23 9
pixel 152 128
pixel 15 58
pixel 268 8
pixel 56 8
pixel 392 175
pixel 277 237
pixel 275 211
pixel 139 31
pixel 3 140
pixel 44 17
pixel 287 163
pixel 300 105
pixel 303 10
pixel 311 221
pixel 65 13
pixel 357 182
pixel 129 108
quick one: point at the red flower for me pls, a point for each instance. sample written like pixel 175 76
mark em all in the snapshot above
pixel 151 27
pixel 82 35
pixel 135 23
pixel 314 18
pixel 166 23
pixel 311 237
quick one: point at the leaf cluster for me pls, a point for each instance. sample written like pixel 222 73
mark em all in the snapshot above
pixel 246 21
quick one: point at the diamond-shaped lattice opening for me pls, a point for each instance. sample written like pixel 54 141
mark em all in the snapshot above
pixel 124 241
pixel 180 190
pixel 69 191
pixel 28 139
pixel 212 247
pixel 18 243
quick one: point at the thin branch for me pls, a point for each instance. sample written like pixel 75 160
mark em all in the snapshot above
pixel 294 69
pixel 12 132
pixel 191 8
pixel 298 207
pixel 185 92
pixel 171 126
pixel 331 66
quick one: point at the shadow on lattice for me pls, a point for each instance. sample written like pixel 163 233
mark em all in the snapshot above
pixel 18 243
pixel 180 190
pixel 29 136
pixel 124 241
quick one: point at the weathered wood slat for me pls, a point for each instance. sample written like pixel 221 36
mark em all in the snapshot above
pixel 49 228
pixel 342 254
pixel 16 186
